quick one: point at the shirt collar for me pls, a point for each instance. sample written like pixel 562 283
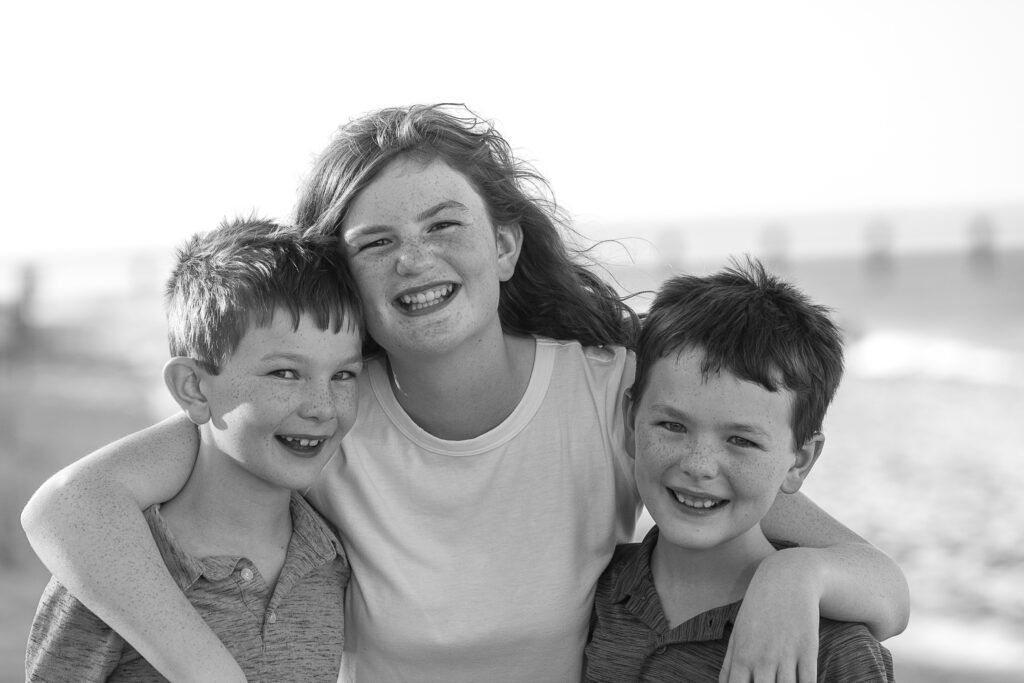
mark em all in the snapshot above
pixel 313 543
pixel 184 568
pixel 314 530
pixel 634 586
pixel 635 574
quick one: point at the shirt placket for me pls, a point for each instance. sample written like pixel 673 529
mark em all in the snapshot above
pixel 253 589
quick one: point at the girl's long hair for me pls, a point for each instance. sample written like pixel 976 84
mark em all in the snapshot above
pixel 552 292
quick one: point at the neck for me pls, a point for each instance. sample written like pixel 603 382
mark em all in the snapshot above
pixel 691 581
pixel 464 394
pixel 225 510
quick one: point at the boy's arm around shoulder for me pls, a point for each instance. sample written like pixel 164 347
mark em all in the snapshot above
pixel 86 525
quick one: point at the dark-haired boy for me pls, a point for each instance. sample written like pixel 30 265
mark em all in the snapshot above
pixel 264 330
pixel 734 374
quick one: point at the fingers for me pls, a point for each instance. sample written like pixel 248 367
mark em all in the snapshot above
pixel 787 675
pixel 723 675
pixel 737 674
pixel 804 670
pixel 807 668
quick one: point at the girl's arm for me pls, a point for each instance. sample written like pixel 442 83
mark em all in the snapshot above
pixel 86 525
pixel 835 573
pixel 857 581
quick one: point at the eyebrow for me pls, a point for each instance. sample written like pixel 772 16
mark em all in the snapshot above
pixel 363 230
pixel 747 429
pixel 295 358
pixel 438 208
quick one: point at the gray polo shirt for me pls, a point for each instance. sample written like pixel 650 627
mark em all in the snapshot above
pixel 631 639
pixel 294 632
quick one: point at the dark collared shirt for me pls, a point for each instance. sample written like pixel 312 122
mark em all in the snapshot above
pixel 293 633
pixel 631 639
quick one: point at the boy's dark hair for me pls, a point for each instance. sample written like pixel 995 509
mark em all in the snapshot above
pixel 757 327
pixel 238 275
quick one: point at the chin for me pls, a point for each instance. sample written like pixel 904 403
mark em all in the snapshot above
pixel 688 540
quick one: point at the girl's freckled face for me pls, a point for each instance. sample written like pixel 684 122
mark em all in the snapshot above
pixel 427 258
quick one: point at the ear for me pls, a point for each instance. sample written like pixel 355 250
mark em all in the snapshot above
pixel 509 238
pixel 182 375
pixel 628 418
pixel 806 456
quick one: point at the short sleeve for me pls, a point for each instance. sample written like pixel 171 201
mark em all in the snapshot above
pixel 848 652
pixel 612 370
pixel 68 642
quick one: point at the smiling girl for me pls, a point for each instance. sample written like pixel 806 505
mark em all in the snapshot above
pixel 485 483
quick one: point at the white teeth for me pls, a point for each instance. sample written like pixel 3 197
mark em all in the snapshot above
pixel 699 503
pixel 427 298
pixel 303 443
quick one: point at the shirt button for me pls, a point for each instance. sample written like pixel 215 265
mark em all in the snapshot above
pixel 247 574
pixel 272 618
pixel 661 650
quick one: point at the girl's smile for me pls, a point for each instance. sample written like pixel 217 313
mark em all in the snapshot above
pixel 426 299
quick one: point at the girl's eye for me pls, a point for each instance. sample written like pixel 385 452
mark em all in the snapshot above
pixel 285 374
pixel 742 443
pixel 440 225
pixel 372 245
pixel 344 376
pixel 672 427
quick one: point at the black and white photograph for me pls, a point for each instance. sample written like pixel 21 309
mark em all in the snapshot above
pixel 533 341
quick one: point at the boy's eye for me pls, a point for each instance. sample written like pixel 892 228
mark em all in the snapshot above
pixel 285 374
pixel 440 225
pixel 343 376
pixel 672 426
pixel 742 443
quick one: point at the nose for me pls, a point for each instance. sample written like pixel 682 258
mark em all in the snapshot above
pixel 413 257
pixel 699 461
pixel 318 403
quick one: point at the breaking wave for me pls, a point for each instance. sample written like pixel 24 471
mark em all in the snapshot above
pixel 890 353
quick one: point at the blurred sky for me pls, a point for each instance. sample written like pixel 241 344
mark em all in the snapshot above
pixel 128 124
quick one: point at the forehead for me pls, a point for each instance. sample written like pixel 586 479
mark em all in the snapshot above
pixel 282 337
pixel 677 381
pixel 408 186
